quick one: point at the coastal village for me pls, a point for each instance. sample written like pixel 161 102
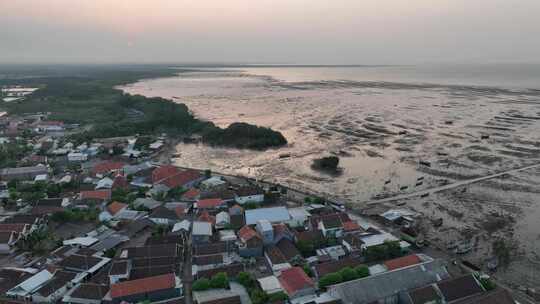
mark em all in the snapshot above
pixel 112 221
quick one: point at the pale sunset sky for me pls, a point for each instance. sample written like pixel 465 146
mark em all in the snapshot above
pixel 269 31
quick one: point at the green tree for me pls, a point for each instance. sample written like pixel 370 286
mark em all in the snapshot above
pixel 278 296
pixel 348 274
pixel 245 279
pixel 362 271
pixel 258 296
pixel 201 285
pixel 330 279
pixel 219 280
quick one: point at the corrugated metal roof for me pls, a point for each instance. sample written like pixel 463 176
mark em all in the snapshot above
pixel 274 215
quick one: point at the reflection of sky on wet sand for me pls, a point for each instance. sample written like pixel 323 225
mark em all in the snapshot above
pixel 384 129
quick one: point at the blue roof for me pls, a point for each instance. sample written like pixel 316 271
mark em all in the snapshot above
pixel 273 215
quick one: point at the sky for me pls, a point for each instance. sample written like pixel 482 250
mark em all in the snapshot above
pixel 269 31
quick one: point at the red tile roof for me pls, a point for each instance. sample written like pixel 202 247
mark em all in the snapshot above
pixel 141 286
pixel 405 261
pixel 206 217
pixel 106 167
pixel 96 194
pixel 120 182
pixel 351 226
pixel 163 172
pixel 209 203
pixel 180 211
pixel 246 233
pixel 180 179
pixel 191 194
pixel 294 279
pixel 19 228
pixel 115 207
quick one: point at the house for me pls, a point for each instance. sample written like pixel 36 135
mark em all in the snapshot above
pixel 497 296
pixel 213 183
pixel 147 203
pixel 402 262
pixel 425 295
pixel 331 225
pixel 11 277
pixel 352 243
pixel 387 287
pixel 206 217
pixel 270 285
pixel 55 288
pixel 250 242
pixel 49 206
pixel 276 260
pixel 333 252
pixel 325 268
pixel 26 287
pixel 210 203
pixel 8 239
pixel 281 231
pixel 201 232
pixel 19 228
pixel 249 194
pixel 226 195
pixel 273 215
pixel 266 231
pixel 163 216
pixel 296 282
pixel 111 210
pixel 223 220
pixel 289 251
pixel 104 183
pixel 120 182
pixel 77 157
pixel 236 214
pixel 299 216
pixel 217 296
pixel 103 168
pixel 22 173
pixel 86 293
pixel 184 226
pixel 192 195
pixel 83 263
pixel 119 271
pixel 96 195
pixel 173 177
pixel 154 288
pixel 459 288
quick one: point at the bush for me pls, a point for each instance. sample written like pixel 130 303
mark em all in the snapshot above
pixel 245 279
pixel 348 274
pixel 362 271
pixel 388 250
pixel 258 296
pixel 278 296
pixel 330 279
pixel 201 285
pixel 219 280
pixel 326 163
pixel 308 270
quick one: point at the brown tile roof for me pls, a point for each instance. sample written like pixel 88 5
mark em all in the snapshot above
pixel 427 294
pixel 120 182
pixel 246 233
pixel 162 212
pixel 22 219
pixel 498 296
pixel 147 272
pixel 90 291
pixel 191 194
pixel 459 288
pixel 115 207
pixel 163 172
pixel 164 239
pixel 96 194
pixel 351 226
pixel 227 300
pixel 213 248
pixel 288 250
pixel 275 256
pixel 19 228
pixel 79 262
pixel 231 270
pixel 310 235
pixel 59 280
pixel 401 262
pixel 294 279
pixel 206 217
pixel 106 167
pixel 146 285
pixel 165 250
pixel 335 266
pixel 181 179
pixel 209 203
pixel 119 267
pixel 6 236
